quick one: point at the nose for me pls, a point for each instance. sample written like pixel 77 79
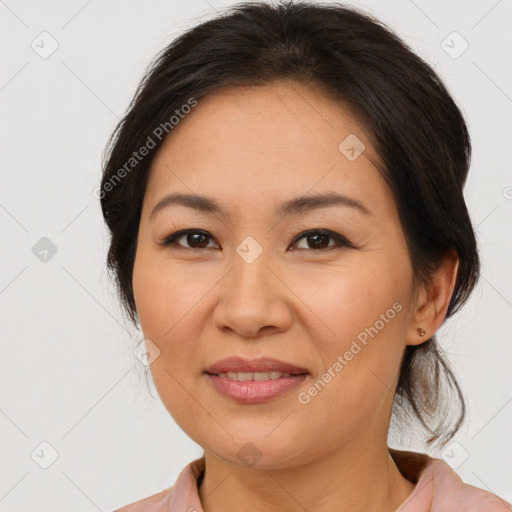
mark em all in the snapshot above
pixel 253 299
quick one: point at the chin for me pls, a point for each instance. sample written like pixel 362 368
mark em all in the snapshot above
pixel 258 452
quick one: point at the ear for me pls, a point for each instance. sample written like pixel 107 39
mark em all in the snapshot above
pixel 433 300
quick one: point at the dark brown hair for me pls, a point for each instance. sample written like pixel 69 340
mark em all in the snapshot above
pixel 416 128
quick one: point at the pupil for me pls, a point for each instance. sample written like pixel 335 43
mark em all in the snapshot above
pixel 317 245
pixel 192 242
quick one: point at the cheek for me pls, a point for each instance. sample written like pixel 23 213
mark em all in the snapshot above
pixel 166 298
pixel 168 308
pixel 363 320
pixel 347 300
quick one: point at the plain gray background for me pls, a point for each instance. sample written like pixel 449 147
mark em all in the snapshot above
pixel 68 374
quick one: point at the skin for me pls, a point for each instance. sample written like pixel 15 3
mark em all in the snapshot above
pixel 251 149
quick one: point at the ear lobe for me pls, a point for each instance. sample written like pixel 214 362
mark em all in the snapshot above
pixel 433 300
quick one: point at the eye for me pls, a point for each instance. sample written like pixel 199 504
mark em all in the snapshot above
pixel 196 238
pixel 317 239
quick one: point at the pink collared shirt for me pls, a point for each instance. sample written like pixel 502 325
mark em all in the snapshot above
pixel 438 489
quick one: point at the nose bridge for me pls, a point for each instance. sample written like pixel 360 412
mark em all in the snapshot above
pixel 252 297
pixel 250 273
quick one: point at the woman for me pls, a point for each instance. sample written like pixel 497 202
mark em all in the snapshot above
pixel 285 199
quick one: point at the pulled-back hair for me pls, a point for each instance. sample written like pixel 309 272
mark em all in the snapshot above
pixel 414 124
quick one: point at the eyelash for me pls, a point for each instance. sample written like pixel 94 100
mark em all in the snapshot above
pixel 171 240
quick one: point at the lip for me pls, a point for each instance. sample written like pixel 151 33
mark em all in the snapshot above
pixel 254 391
pixel 262 364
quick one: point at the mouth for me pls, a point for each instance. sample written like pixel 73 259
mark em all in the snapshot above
pixel 257 376
pixel 254 381
pixel 262 365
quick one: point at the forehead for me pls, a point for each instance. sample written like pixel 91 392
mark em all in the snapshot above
pixel 280 139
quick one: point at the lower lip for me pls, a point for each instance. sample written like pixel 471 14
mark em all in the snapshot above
pixel 255 391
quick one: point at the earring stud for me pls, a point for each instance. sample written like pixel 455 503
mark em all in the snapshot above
pixel 421 332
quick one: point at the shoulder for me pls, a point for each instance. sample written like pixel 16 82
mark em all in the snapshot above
pixel 440 489
pixel 155 503
pixel 184 491
pixel 451 493
pixel 470 498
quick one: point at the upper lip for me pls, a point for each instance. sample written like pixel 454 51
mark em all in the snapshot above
pixel 262 364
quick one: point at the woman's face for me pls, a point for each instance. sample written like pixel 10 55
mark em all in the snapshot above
pixel 251 287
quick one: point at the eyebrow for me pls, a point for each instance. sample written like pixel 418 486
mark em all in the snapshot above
pixel 296 205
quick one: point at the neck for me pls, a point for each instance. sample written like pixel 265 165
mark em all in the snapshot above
pixel 350 479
